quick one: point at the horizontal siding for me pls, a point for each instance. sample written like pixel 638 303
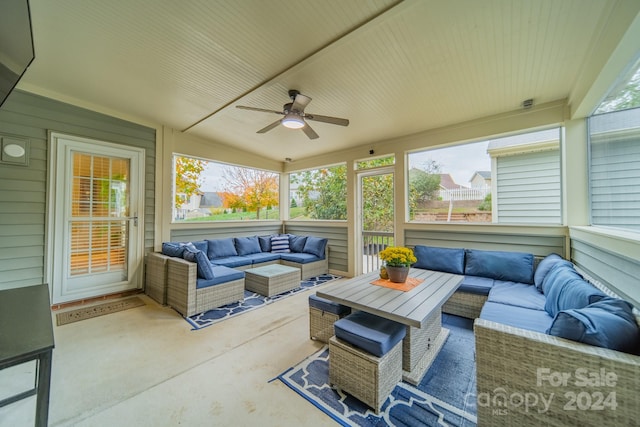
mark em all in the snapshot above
pixel 615 182
pixel 23 189
pixel 613 270
pixel 337 236
pixel 242 230
pixel 528 188
pixel 538 245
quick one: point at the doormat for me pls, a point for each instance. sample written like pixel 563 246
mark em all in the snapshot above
pixel 76 315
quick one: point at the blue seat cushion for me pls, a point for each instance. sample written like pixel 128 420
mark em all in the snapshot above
pixel 328 306
pixel 203 265
pixel 449 260
pixel 608 323
pixel 476 285
pixel 262 257
pixel 369 332
pixel 569 290
pixel 518 317
pixel 232 261
pixel 544 267
pixel 296 243
pixel 247 245
pixel 221 248
pixel 221 275
pixel 508 266
pixel 518 294
pixel 300 258
pixel 315 246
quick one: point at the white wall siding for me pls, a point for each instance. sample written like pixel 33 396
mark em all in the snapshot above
pixel 528 188
pixel 23 189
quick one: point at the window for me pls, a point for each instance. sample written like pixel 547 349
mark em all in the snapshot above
pixel 614 151
pixel 508 180
pixel 319 194
pixel 210 191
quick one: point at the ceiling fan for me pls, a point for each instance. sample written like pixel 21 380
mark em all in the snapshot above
pixel 295 117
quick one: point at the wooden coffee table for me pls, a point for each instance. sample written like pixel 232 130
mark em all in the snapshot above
pixel 419 309
pixel 272 279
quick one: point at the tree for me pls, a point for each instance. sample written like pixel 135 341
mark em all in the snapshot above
pixel 424 184
pixel 623 97
pixel 188 178
pixel 377 203
pixel 253 189
pixel 323 192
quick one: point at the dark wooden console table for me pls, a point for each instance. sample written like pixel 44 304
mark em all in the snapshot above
pixel 26 333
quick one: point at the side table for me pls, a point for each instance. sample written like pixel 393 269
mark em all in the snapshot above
pixel 26 333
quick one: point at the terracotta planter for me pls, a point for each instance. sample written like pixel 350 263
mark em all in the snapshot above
pixel 397 274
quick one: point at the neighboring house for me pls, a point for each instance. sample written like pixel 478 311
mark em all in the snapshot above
pixel 517 200
pixel 450 190
pixel 481 179
pixel 447 182
pixel 210 199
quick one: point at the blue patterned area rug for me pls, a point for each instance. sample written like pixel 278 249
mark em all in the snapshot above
pixel 445 397
pixel 253 301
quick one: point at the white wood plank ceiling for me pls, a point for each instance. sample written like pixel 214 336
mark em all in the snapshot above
pixel 391 67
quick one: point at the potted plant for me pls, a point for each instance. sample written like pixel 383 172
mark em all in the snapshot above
pixel 397 260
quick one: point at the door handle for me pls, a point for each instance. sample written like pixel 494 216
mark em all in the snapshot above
pixel 135 220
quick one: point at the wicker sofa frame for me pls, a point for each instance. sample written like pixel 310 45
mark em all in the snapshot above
pixel 187 299
pixel 515 364
pixel 164 272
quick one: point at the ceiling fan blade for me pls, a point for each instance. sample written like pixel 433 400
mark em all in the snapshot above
pixel 310 132
pixel 327 119
pixel 268 128
pixel 300 102
pixel 242 107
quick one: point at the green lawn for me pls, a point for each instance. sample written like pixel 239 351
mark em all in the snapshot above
pixel 274 214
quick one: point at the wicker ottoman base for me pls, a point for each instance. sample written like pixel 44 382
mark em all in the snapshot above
pixel 321 324
pixel 366 377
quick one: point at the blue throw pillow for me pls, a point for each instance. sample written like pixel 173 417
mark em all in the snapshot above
pixel 544 267
pixel 173 249
pixel 280 244
pixel 221 248
pixel 449 260
pixel 608 323
pixel 507 266
pixel 205 269
pixel 569 290
pixel 247 245
pixel 265 243
pixel 315 246
pixel 296 243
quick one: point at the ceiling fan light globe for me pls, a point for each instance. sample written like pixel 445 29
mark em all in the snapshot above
pixel 293 121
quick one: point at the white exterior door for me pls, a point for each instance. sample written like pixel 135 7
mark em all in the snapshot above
pixel 97 205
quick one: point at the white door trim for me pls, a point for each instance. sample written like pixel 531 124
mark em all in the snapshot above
pixel 55 247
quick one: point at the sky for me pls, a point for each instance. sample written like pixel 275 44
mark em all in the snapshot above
pixel 461 162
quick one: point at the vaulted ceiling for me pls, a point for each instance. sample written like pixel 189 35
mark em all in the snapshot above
pixel 392 68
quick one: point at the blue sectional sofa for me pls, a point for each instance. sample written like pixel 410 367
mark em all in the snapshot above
pixel 546 336
pixel 193 277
